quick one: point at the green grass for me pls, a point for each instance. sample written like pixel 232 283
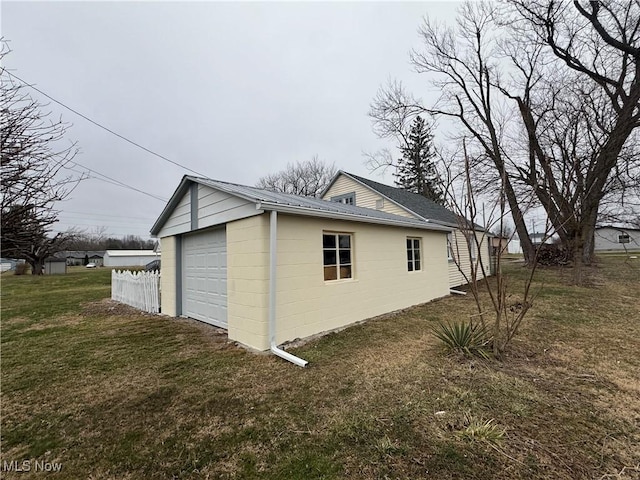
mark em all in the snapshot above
pixel 117 394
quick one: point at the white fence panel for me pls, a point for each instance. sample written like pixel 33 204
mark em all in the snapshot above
pixel 138 289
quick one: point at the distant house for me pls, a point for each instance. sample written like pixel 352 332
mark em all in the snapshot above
pixel 129 258
pixel 616 239
pixel 78 257
pixel 537 239
pixel 7 264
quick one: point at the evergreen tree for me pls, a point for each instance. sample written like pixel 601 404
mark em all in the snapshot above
pixel 416 171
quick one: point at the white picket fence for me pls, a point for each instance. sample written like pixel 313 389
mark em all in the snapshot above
pixel 138 289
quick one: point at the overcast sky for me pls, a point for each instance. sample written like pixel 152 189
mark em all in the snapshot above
pixel 231 90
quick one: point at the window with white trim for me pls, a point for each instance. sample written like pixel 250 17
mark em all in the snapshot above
pixel 337 256
pixel 414 259
pixel 449 246
pixel 624 238
pixel 473 250
pixel 347 198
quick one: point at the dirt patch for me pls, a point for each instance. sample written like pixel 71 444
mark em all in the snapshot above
pixel 108 307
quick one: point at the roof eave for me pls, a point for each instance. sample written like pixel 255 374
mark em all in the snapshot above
pixel 171 204
pixel 311 212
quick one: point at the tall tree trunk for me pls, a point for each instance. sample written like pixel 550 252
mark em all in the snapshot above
pixel 528 250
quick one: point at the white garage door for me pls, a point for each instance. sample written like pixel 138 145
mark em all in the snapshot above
pixel 204 277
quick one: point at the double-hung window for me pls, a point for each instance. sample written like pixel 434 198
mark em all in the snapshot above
pixel 337 256
pixel 413 254
pixel 449 246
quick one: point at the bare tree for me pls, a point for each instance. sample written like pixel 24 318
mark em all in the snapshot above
pixel 33 155
pixel 302 178
pixel 548 95
pixel 598 48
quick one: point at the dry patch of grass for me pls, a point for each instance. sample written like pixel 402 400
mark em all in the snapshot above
pixel 112 393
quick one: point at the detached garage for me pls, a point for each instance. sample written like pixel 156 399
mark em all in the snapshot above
pixel 272 267
pixel 129 258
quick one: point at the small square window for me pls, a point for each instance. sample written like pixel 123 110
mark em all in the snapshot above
pixel 347 198
pixel 336 256
pixel 624 238
pixel 413 254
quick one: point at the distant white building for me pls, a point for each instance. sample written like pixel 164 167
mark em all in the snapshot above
pixel 616 239
pixel 514 246
pixel 129 258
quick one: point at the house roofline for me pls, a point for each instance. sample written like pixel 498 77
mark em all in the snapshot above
pixel 406 209
pixel 263 205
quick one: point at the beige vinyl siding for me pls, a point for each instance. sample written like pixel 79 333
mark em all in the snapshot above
pixel 248 281
pixel 216 207
pixel 381 283
pixel 180 219
pixel 168 277
pixel 463 260
pixel 365 197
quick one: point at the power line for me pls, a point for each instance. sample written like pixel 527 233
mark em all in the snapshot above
pixel 93 214
pixel 103 127
pixel 117 182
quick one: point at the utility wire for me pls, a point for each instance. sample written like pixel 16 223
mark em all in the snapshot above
pixel 103 127
pixel 93 214
pixel 118 182
pixel 86 175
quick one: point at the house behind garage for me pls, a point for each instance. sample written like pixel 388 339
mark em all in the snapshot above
pixel 233 255
pixel 463 251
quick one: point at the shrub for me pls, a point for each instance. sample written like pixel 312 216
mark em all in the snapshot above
pixel 22 269
pixel 467 338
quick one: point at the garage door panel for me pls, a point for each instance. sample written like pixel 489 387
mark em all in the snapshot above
pixel 205 276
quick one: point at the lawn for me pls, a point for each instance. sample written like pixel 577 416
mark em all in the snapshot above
pixel 107 392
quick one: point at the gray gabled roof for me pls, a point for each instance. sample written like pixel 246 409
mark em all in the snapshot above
pixel 294 204
pixel 421 206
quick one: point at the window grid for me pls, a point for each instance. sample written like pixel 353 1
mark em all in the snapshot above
pixel 347 198
pixel 413 255
pixel 336 253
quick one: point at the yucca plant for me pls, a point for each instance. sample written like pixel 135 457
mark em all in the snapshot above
pixel 482 430
pixel 468 338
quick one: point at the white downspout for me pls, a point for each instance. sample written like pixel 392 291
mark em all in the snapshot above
pixel 273 245
pixel 457 292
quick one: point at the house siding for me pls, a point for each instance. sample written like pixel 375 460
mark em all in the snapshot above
pixel 211 207
pixel 308 305
pixel 248 281
pixel 168 277
pixel 180 219
pixel 606 239
pixel 463 259
pixel 216 207
pixel 365 197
